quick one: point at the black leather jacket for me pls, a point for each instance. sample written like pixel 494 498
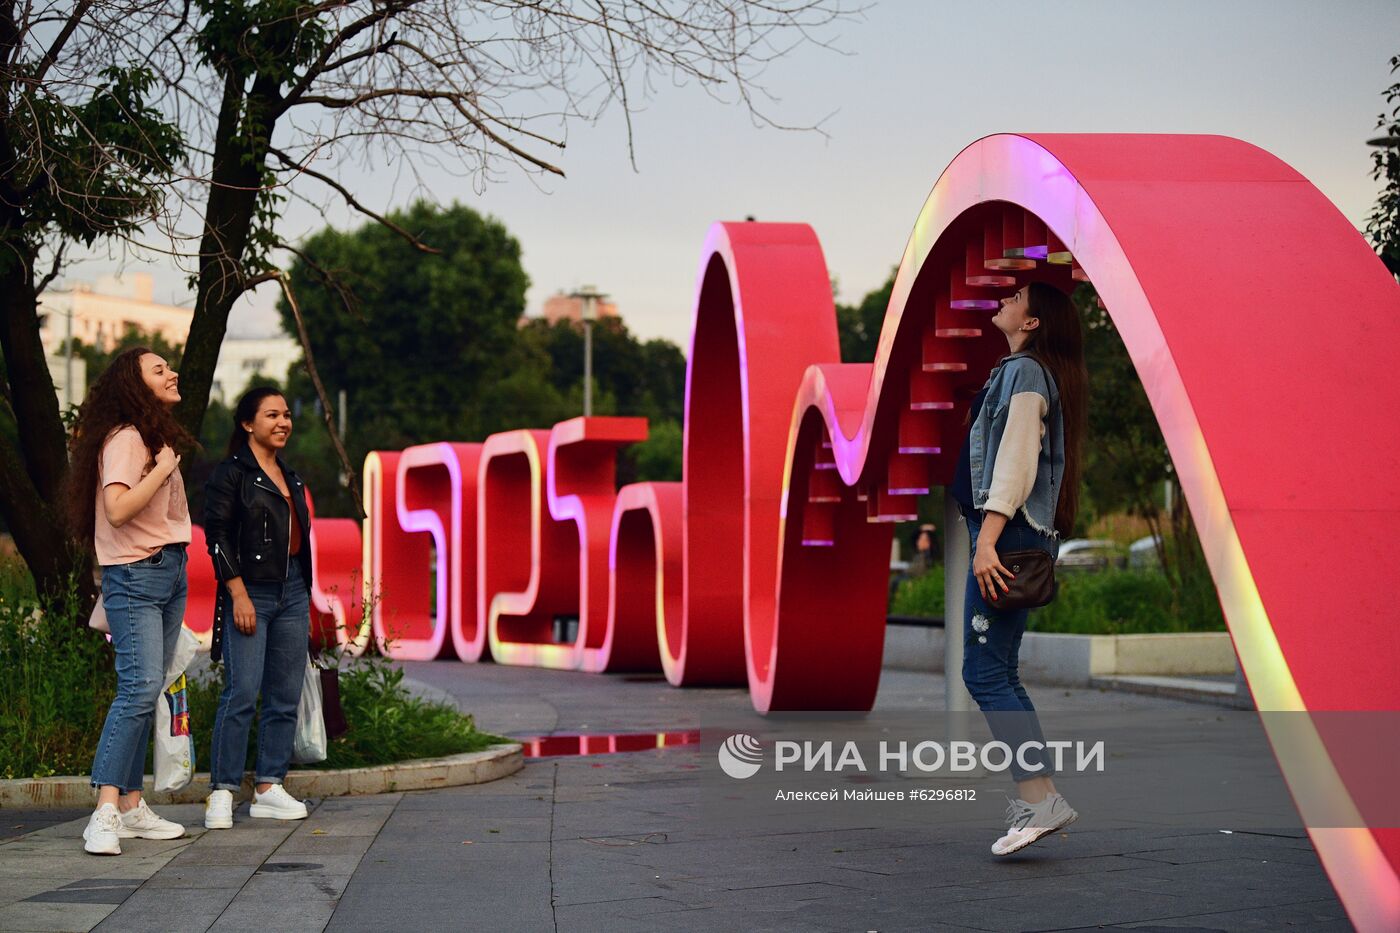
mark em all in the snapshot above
pixel 247 524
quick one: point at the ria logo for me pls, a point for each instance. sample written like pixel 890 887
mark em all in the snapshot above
pixel 741 756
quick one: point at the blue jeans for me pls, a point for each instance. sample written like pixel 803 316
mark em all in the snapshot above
pixel 270 662
pixel 990 657
pixel 145 605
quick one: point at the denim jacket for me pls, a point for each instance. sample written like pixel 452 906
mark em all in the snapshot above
pixel 1016 374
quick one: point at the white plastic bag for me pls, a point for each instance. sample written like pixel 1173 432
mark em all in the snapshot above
pixel 309 742
pixel 174 753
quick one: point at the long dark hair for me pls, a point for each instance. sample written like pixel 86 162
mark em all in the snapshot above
pixel 1058 343
pixel 247 410
pixel 118 398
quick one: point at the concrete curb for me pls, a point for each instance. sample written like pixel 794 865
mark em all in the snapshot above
pixel 495 762
pixel 1078 660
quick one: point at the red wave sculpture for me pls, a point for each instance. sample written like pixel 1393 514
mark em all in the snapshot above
pixel 1266 382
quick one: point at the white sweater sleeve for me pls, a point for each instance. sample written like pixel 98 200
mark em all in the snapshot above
pixel 1018 455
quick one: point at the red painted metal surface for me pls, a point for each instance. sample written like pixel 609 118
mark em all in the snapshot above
pixel 337 589
pixel 201 587
pixel 397 564
pixel 603 743
pixel 645 608
pixel 581 479
pixel 527 570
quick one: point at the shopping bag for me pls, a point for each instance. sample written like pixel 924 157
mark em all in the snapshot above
pixel 309 741
pixel 98 620
pixel 174 751
pixel 332 713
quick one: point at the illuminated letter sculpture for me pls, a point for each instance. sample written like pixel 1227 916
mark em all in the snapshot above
pixel 645 611
pixel 397 572
pixel 436 493
pixel 581 480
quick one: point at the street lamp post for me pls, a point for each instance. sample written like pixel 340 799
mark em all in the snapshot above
pixel 590 296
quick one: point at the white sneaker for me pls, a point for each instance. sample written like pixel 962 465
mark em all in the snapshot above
pixel 141 822
pixel 277 804
pixel 100 836
pixel 218 810
pixel 1030 821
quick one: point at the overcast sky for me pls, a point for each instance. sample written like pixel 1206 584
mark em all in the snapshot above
pixel 918 81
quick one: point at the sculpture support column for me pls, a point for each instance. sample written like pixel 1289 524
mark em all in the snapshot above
pixel 956 549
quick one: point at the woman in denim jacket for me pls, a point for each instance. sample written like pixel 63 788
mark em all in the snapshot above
pixel 1018 486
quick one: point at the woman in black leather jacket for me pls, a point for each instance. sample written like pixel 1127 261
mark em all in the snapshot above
pixel 257 526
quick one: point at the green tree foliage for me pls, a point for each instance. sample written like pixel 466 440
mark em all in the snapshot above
pixel 430 347
pixel 425 345
pixel 87 154
pixel 1127 467
pixel 1383 226
pixel 630 377
pixel 96 359
pixel 859 325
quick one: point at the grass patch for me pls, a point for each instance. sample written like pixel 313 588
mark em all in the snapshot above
pixel 57 679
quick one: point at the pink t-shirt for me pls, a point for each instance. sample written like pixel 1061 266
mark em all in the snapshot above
pixel 165 519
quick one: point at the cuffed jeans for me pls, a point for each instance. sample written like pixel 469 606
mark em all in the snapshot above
pixel 145 605
pixel 270 662
pixel 991 645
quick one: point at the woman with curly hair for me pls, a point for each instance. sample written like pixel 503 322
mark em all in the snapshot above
pixel 128 500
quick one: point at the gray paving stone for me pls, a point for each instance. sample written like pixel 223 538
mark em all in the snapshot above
pixel 271 902
pixel 188 875
pixel 153 908
pixel 27 916
pixel 620 843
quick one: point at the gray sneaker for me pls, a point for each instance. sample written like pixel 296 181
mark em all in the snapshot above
pixel 1028 822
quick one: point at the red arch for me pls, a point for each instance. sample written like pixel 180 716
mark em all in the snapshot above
pixel 1263 328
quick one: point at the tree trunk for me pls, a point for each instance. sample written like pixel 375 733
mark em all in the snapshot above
pixel 239 156
pixel 33 444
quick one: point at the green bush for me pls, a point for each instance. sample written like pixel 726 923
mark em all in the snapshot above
pixel 57 680
pixel 1113 602
pixel 920 596
pixel 1119 602
pixel 387 723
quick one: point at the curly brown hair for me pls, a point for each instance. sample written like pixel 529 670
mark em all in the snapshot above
pixel 118 398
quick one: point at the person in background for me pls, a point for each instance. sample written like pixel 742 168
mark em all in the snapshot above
pixel 128 502
pixel 923 557
pixel 258 530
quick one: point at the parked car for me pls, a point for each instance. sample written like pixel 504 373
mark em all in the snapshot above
pixel 1090 554
pixel 1142 553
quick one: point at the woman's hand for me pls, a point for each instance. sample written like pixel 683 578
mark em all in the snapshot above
pixel 245 617
pixel 167 461
pixel 988 569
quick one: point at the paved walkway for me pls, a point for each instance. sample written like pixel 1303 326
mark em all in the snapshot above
pixel 616 843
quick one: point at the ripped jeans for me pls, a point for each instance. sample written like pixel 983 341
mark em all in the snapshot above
pixel 991 644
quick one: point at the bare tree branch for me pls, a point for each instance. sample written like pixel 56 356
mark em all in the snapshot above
pixel 326 408
pixel 351 200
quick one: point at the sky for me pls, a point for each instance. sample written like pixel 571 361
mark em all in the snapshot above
pixel 913 82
